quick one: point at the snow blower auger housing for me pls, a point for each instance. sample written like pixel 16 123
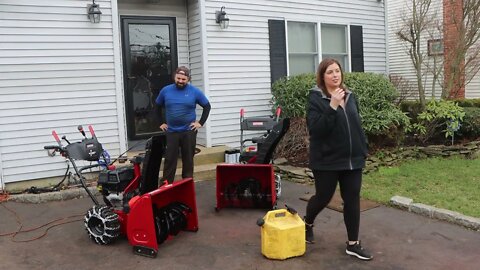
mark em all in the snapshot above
pixel 253 183
pixel 134 205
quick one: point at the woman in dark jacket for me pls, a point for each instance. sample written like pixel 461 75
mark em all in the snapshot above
pixel 338 150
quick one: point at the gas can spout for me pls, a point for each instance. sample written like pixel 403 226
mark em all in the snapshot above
pixel 291 209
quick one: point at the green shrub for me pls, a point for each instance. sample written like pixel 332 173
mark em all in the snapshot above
pixel 470 128
pixel 411 107
pixel 442 116
pixel 291 94
pixel 473 102
pixel 376 96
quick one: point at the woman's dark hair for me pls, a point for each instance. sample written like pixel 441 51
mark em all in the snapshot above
pixel 322 68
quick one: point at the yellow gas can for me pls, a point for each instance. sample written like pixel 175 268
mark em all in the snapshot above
pixel 283 235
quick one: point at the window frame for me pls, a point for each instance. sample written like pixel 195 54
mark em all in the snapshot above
pixel 318 41
pixel 347 47
pixel 317 45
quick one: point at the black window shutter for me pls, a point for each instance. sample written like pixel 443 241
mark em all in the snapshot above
pixel 356 45
pixel 278 49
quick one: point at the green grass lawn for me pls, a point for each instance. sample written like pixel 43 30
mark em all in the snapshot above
pixel 452 184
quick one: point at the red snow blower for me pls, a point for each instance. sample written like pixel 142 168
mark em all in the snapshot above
pixel 253 183
pixel 133 204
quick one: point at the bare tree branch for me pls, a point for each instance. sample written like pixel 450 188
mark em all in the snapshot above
pixel 414 25
pixel 461 61
pixel 462 58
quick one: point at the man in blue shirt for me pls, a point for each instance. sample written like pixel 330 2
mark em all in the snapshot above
pixel 178 101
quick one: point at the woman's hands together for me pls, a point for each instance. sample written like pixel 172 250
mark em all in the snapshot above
pixel 337 98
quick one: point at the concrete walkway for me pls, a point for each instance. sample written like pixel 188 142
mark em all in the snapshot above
pixel 230 239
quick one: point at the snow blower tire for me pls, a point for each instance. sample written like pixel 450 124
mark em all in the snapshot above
pixel 102 224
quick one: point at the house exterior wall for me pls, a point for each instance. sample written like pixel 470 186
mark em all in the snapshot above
pixel 196 39
pixel 188 25
pixel 472 90
pixel 188 35
pixel 57 71
pixel 399 61
pixel 452 18
pixel 238 57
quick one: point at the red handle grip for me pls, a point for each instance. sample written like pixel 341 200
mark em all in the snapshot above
pixel 278 112
pixel 91 130
pixel 55 135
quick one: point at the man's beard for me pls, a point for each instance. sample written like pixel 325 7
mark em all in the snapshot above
pixel 180 86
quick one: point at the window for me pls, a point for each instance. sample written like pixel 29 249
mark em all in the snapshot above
pixel 435 47
pixel 334 43
pixel 302 47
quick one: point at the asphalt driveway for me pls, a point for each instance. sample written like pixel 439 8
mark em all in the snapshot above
pixel 230 239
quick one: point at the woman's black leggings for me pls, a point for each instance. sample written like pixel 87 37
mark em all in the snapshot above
pixel 325 185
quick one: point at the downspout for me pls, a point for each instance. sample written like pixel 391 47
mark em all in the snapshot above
pixel 206 85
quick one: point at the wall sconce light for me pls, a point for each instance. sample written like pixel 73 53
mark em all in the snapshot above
pixel 93 12
pixel 221 18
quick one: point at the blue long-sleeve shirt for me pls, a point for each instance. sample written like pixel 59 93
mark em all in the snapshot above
pixel 180 105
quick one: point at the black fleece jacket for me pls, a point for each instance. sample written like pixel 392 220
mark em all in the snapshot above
pixel 337 140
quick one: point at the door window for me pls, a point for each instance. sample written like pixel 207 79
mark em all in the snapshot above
pixel 150 57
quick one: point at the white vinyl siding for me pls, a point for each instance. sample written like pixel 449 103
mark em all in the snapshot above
pixel 57 71
pixel 238 57
pixel 400 63
pixel 472 90
pixel 196 57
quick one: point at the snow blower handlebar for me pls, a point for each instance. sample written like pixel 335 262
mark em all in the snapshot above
pixel 55 135
pixel 277 113
pixel 87 149
pixel 92 132
pixel 276 116
pixel 56 148
pixel 80 129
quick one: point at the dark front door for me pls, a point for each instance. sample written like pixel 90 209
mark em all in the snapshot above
pixel 150 57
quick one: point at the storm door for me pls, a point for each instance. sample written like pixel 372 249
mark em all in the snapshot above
pixel 149 58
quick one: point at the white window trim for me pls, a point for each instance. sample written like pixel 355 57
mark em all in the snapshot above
pixel 318 25
pixel 286 47
pixel 349 49
pixel 317 43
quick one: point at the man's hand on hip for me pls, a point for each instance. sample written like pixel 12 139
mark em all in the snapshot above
pixel 195 126
pixel 163 127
